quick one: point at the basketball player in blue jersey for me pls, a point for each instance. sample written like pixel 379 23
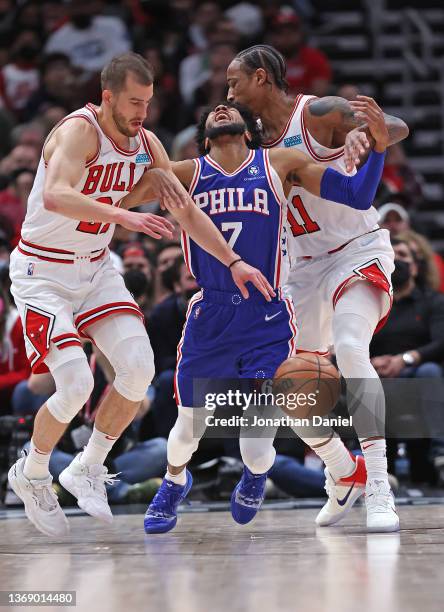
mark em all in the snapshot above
pixel 240 187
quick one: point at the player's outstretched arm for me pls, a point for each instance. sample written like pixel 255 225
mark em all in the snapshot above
pixel 355 191
pixel 160 182
pixel 346 124
pixel 66 153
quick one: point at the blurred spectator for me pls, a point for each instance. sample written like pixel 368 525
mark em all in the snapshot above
pixel 184 145
pixel 205 17
pixel 411 344
pixel 14 198
pixel 89 39
pixel 214 89
pixel 247 18
pixel 32 393
pixel 430 264
pixel 20 78
pixel 194 70
pixel 53 15
pixel 399 176
pixel 57 86
pixel 308 69
pixel 52 115
pixel 14 365
pixel 165 329
pixel 32 134
pixel 21 156
pixel 153 120
pixel 140 288
pixel 7 14
pixel 135 258
pixel 166 256
pixel 167 318
pixel 394 217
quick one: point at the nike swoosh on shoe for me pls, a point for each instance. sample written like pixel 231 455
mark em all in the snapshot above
pixel 343 501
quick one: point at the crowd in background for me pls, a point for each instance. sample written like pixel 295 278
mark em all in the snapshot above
pixel 51 54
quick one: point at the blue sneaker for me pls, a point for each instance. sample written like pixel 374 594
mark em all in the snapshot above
pixel 161 515
pixel 248 496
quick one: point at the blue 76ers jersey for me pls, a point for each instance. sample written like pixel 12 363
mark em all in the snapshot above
pixel 248 207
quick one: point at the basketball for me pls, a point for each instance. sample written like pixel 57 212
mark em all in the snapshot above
pixel 312 380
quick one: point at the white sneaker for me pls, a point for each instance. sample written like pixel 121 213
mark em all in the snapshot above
pixel 87 484
pixel 342 494
pixel 380 503
pixel 40 500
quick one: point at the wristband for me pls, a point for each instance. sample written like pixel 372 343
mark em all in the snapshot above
pixel 234 262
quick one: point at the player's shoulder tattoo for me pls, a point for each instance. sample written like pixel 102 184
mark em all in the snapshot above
pixel 334 104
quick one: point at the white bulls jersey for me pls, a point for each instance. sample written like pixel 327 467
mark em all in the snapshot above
pixel 107 178
pixel 316 226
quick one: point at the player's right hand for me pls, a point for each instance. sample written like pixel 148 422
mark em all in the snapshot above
pixel 168 189
pixel 243 273
pixel 146 223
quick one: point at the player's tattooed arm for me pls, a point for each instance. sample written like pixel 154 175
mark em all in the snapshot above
pixel 345 125
pixel 343 116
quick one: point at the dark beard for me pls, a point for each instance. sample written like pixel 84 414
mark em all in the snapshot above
pixel 228 129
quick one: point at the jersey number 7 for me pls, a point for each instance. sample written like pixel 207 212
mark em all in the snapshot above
pixel 308 226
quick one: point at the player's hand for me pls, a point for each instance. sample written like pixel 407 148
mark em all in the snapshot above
pixel 168 189
pixel 367 109
pixel 243 273
pixel 355 146
pixel 146 223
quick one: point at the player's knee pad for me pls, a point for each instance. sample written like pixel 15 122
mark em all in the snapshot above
pixel 352 335
pixel 258 454
pixel 185 436
pixel 133 363
pixel 74 384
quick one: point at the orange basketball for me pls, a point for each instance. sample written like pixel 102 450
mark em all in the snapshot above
pixel 308 376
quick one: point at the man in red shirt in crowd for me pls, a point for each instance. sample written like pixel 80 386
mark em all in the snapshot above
pixel 14 366
pixel 308 69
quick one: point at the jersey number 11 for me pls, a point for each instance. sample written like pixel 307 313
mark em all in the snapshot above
pixel 308 226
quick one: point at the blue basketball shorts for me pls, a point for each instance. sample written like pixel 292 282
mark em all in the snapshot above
pixel 228 337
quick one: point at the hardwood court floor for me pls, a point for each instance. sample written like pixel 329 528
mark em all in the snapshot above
pixel 280 562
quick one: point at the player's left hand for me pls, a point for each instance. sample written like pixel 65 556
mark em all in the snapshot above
pixel 243 273
pixel 168 189
pixel 355 146
pixel 367 109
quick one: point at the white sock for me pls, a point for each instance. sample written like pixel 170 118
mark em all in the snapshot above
pixel 335 456
pixel 374 452
pixel 36 464
pixel 98 447
pixel 179 479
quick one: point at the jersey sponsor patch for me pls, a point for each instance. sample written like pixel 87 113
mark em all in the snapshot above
pixel 253 170
pixel 292 141
pixel 143 158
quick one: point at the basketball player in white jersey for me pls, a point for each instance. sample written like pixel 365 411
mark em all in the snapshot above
pixel 341 263
pixel 95 164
